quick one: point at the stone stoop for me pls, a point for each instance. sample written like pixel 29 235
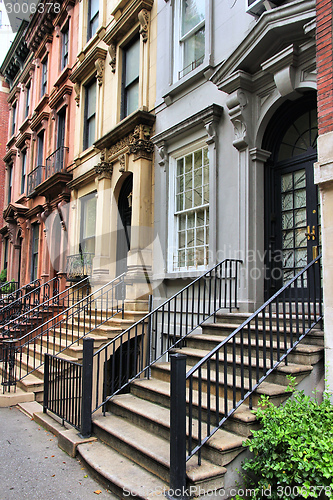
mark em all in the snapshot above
pixel 131 455
pixel 30 387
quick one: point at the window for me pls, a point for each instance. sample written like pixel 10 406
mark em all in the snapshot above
pixel 27 101
pixel 44 77
pixel 10 183
pixel 191 210
pixel 189 23
pixel 90 114
pixel 93 14
pixel 34 259
pixel 13 118
pixel 88 223
pixel 24 167
pixel 131 65
pixel 64 47
pixel 5 260
pixel 40 150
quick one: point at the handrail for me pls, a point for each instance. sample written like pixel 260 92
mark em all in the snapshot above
pixel 166 327
pixel 16 292
pixel 301 302
pixel 22 321
pixel 30 297
pixel 105 299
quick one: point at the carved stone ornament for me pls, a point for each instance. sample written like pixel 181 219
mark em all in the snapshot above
pixel 240 116
pixel 141 145
pixel 53 114
pixel 162 151
pixel 122 161
pixel 211 131
pixel 21 222
pixel 104 168
pixel 143 20
pixel 113 54
pixel 99 65
pixel 122 144
pixel 77 90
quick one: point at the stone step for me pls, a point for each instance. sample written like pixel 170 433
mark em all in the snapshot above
pixel 315 336
pixel 153 452
pixel 278 376
pixel 276 392
pixel 221 449
pixel 119 474
pixel 237 318
pixel 302 354
pixel 242 421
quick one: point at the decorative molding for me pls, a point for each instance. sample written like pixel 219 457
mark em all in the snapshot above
pixel 112 49
pixel 87 66
pixel 104 168
pixel 141 145
pixel 99 65
pixel 123 163
pixel 239 112
pixel 77 90
pixel 144 22
pixel 120 145
pixel 163 153
pixel 58 95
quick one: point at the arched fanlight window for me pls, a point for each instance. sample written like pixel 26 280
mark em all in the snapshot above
pixel 300 137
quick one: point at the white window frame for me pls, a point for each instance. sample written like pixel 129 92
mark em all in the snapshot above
pixel 178 45
pixel 174 215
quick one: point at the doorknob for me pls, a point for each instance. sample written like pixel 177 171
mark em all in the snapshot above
pixel 312 233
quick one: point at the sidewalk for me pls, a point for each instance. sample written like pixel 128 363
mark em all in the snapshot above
pixel 34 468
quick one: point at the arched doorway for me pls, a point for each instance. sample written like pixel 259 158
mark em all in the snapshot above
pixel 124 224
pixel 292 211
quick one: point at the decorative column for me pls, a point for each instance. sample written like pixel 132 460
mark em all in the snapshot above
pixel 101 260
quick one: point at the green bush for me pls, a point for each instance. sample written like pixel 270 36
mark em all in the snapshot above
pixel 8 287
pixel 293 450
pixel 3 275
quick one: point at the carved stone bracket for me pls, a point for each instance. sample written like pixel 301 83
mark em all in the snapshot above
pixel 211 128
pixel 122 162
pixel 104 168
pixel 77 90
pixel 99 65
pixel 144 21
pixel 163 152
pixel 113 54
pixel 141 145
pixel 240 116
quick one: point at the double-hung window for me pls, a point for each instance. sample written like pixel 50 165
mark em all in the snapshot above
pixel 189 24
pixel 27 100
pixel 14 118
pixel 24 168
pixel 88 223
pixel 89 114
pixel 131 67
pixel 34 253
pixel 44 77
pixel 93 17
pixel 64 47
pixel 10 183
pixel 191 210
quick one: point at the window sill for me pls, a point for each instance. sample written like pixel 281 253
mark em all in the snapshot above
pixel 202 72
pixel 91 42
pixel 176 275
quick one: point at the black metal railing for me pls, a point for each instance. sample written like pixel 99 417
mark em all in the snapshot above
pixel 55 162
pixel 35 178
pixel 163 329
pixel 19 292
pixel 230 373
pixel 27 298
pixel 79 265
pixel 63 389
pixel 42 306
pixel 67 328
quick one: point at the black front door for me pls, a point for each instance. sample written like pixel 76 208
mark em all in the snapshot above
pixel 124 224
pixel 292 209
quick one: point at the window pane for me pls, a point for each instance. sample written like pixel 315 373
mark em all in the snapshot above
pixel 194 49
pixel 91 100
pixel 91 132
pixel 94 8
pixel 132 98
pixel 132 62
pixel 193 12
pixel 89 214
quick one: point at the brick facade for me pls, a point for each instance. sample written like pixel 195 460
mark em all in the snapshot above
pixel 325 66
pixel 4 113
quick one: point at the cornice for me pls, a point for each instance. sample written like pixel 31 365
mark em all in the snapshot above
pixel 125 127
pixel 36 119
pixel 38 209
pixel 125 17
pixel 200 119
pixel 21 140
pixel 275 29
pixel 82 179
pixel 58 94
pixel 42 103
pixel 88 64
pixel 9 155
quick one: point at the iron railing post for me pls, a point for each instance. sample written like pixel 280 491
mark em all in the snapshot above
pixel 178 427
pixel 8 375
pixel 87 371
pixel 46 382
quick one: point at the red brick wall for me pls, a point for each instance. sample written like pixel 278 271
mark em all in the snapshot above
pixel 325 66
